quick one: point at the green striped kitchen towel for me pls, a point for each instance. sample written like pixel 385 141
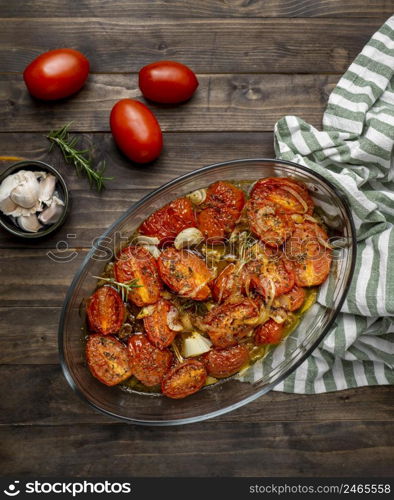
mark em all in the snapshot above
pixel 355 152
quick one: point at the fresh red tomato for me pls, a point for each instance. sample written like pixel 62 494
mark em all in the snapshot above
pixel 310 257
pixel 221 363
pixel 148 363
pixel 184 379
pixel 56 74
pixel 291 301
pixel 269 333
pixel 136 263
pixel 157 324
pixel 167 82
pixel 105 311
pixel 136 131
pixel 185 273
pixel 228 323
pixel 107 359
pixel 169 220
pixel 221 209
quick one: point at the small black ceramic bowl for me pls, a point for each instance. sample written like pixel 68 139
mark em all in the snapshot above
pixel 34 165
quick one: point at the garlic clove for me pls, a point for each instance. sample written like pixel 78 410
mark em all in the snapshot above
pixel 197 197
pixel 188 237
pixel 26 193
pixel 51 214
pixel 146 240
pixel 7 206
pixel 47 188
pixel 195 345
pixel 29 223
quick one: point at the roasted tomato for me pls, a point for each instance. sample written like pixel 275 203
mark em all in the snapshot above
pixel 263 274
pixel 272 228
pixel 107 359
pixel 291 301
pixel 167 82
pixel 228 283
pixel 136 263
pixel 136 131
pixel 56 74
pixel 221 209
pixel 269 333
pixel 148 363
pixel 287 195
pixel 184 379
pixel 157 324
pixel 227 323
pixel 309 254
pixel 169 220
pixel 221 363
pixel 105 311
pixel 185 273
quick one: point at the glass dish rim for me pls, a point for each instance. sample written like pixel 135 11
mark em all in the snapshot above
pixel 258 393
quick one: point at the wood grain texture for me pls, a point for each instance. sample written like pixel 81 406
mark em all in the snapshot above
pixel 165 9
pixel 203 450
pixel 222 102
pixel 209 46
pixel 60 406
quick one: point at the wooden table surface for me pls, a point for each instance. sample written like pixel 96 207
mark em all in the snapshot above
pixel 257 60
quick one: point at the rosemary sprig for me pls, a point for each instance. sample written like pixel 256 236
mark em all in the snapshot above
pixel 79 158
pixel 123 288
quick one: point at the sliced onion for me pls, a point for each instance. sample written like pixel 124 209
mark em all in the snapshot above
pixel 324 243
pixel 298 197
pixel 310 218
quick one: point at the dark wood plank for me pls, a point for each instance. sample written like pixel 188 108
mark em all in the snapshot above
pixel 206 449
pixel 60 406
pixel 91 212
pixel 163 9
pixel 222 102
pixel 209 46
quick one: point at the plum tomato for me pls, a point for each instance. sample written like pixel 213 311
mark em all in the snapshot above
pixel 105 311
pixel 272 228
pixel 157 326
pixel 227 284
pixel 185 273
pixel 269 333
pixel 136 131
pixel 107 359
pixel 291 301
pixel 167 82
pixel 148 363
pixel 221 363
pixel 220 211
pixel 310 257
pixel 262 273
pixel 56 74
pixel 228 323
pixel 288 195
pixel 169 220
pixel 184 379
pixel 136 263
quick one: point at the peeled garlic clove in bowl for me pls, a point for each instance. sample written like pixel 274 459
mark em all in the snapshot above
pixel 29 223
pixel 53 213
pixel 25 193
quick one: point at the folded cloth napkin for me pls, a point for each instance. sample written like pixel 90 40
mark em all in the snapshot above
pixel 355 152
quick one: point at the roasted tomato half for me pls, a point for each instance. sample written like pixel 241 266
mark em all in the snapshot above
pixel 268 275
pixel 185 273
pixel 272 228
pixel 227 284
pixel 221 209
pixel 221 363
pixel 184 379
pixel 105 311
pixel 107 359
pixel 269 333
pixel 149 364
pixel 169 220
pixel 157 324
pixel 311 258
pixel 227 323
pixel 287 195
pixel 291 301
pixel 136 263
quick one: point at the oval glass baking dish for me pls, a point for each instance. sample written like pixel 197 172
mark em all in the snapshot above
pixel 260 378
